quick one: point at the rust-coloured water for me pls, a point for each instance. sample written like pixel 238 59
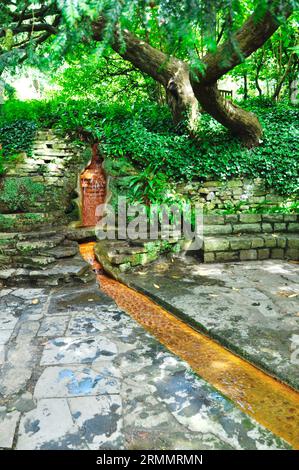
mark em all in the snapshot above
pixel 271 403
pixel 93 186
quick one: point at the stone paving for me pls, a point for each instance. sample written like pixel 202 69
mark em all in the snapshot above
pixel 79 373
pixel 252 308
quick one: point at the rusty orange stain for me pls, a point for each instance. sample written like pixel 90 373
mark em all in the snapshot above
pixel 270 402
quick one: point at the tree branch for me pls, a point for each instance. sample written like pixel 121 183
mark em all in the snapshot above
pixel 250 37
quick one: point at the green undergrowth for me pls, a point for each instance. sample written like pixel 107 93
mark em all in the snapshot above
pixel 144 135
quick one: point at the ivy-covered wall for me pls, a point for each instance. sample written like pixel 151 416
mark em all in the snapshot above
pixel 238 195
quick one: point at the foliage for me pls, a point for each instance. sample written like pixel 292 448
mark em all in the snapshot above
pixel 144 134
pixel 19 193
pixel 15 137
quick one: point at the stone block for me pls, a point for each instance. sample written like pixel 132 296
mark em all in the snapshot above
pixel 277 253
pixel 280 227
pixel 217 229
pixel 263 253
pixel 250 218
pixel 248 255
pixel 290 217
pixel 273 217
pixel 257 242
pixel 293 242
pixel 247 228
pixel 240 243
pixel 227 256
pixel 215 184
pixel 216 244
pixel 213 219
pixel 292 253
pixel 232 218
pixel 270 241
pixel 267 228
pixel 209 257
pixel 293 227
pixel 281 242
pixel 236 183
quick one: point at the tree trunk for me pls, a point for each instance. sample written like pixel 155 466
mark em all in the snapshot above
pixel 181 99
pixel 257 85
pixel 282 78
pixel 241 123
pixel 245 79
pixel 257 74
pixel 172 73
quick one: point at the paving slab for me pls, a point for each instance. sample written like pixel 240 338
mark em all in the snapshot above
pixel 7 320
pixel 77 350
pixel 56 382
pixel 49 426
pixel 8 423
pixel 4 336
pixel 2 353
pixel 85 324
pixel 100 421
pixel 251 308
pixel 53 326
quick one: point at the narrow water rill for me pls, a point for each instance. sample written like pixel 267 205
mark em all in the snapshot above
pixel 93 187
pixel 271 403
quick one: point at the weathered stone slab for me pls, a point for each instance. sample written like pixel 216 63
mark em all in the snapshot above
pixel 85 324
pixel 100 419
pixel 8 423
pixel 246 228
pixel 250 218
pixel 2 353
pixel 57 382
pixel 55 326
pixel 49 427
pixel 216 244
pixel 7 320
pixel 5 335
pixel 77 350
pixel 217 229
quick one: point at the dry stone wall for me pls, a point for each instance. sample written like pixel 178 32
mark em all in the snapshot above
pixel 241 194
pixel 39 190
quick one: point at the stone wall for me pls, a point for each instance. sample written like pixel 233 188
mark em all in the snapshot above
pixel 238 195
pixel 39 190
pixel 239 237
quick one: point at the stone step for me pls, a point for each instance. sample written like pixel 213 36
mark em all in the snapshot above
pixel 62 271
pixel 39 244
pixel 280 245
pixel 52 153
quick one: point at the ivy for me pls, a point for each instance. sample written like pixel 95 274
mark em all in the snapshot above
pixel 15 137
